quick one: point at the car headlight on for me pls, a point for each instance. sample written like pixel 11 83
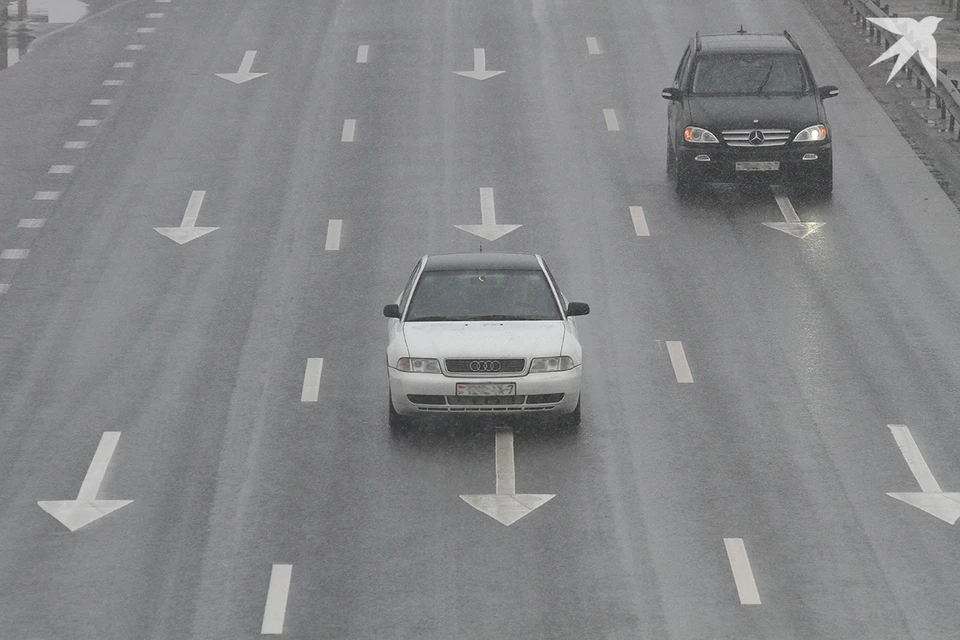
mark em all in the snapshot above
pixel 556 363
pixel 816 133
pixel 419 365
pixel 697 134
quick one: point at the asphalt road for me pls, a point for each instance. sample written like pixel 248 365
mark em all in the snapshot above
pixel 801 351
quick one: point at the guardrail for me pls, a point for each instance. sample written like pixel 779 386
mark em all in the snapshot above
pixel 944 90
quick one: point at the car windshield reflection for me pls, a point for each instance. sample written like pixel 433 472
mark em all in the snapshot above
pixel 477 295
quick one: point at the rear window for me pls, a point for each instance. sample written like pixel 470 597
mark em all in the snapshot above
pixel 483 294
pixel 730 74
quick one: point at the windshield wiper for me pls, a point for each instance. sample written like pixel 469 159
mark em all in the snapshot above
pixel 765 78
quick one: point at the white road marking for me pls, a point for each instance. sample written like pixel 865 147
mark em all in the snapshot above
pixel 187 230
pixel 112 83
pixel 592 47
pixel 4 288
pixel 276 608
pixel 639 222
pixel 243 74
pixel 46 195
pixel 348 129
pixel 88 123
pixel 679 360
pixel 786 208
pixel 101 102
pixel 122 65
pixel 75 144
pixel 31 223
pixel 488 227
pixel 479 67
pixel 506 470
pixel 161 0
pixel 154 15
pixel 911 453
pixel 311 380
pixel 362 52
pixel 61 168
pixel 333 235
pixel 611 117
pixel 14 254
pixel 146 30
pixel 135 47
pixel 742 573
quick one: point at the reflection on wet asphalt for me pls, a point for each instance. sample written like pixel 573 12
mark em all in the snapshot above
pixel 22 21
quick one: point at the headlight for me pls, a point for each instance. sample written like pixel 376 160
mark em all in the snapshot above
pixel 696 134
pixel 816 133
pixel 542 365
pixel 419 365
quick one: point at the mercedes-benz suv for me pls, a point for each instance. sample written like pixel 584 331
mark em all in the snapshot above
pixel 745 108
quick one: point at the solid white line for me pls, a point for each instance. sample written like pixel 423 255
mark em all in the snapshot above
pixel 75 144
pixel 101 102
pixel 348 128
pixel 98 466
pixel 679 360
pixel 31 223
pixel 506 472
pixel 14 254
pixel 592 47
pixel 786 208
pixel 311 380
pixel 333 235
pixel 639 222
pixel 4 288
pixel 742 573
pixel 46 195
pixel 88 123
pixel 146 30
pixel 193 209
pixel 611 117
pixel 362 52
pixel 135 47
pixel 276 608
pixel 61 168
pixel 112 83
pixel 911 453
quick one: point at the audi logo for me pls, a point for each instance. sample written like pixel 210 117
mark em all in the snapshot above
pixel 485 366
pixel 755 137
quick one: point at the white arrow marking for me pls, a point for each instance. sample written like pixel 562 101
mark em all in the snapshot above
pixel 792 226
pixel 679 360
pixel 311 380
pixel 488 227
pixel 74 514
pixel 276 608
pixel 479 67
pixel 639 222
pixel 186 231
pixel 933 500
pixel 742 573
pixel 243 74
pixel 506 505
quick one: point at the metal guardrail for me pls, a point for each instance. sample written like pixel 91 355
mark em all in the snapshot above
pixel 945 90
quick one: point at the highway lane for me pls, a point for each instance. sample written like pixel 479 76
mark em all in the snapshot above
pixel 798 350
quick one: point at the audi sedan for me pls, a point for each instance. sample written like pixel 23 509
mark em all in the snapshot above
pixel 483 333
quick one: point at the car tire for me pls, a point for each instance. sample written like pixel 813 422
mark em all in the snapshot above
pixel 396 421
pixel 571 420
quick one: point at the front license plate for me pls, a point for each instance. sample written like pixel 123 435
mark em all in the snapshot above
pixel 758 166
pixel 486 389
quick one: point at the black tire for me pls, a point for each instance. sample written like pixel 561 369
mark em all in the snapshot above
pixel 396 421
pixel 571 420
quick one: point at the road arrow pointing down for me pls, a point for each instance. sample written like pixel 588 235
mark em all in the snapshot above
pixel 488 227
pixel 793 226
pixel 74 514
pixel 243 74
pixel 186 231
pixel 933 499
pixel 479 67
pixel 506 506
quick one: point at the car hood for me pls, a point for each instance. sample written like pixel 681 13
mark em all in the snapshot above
pixel 719 113
pixel 487 339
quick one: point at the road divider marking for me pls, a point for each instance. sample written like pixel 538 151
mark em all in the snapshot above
pixel 362 52
pixel 135 47
pixel 154 15
pixel 75 144
pixel 311 380
pixel 14 254
pixel 61 168
pixel 112 83
pixel 122 65
pixel 276 608
pixel 742 573
pixel 679 360
pixel 611 117
pixel 31 223
pixel 592 47
pixel 349 126
pixel 101 102
pixel 46 195
pixel 164 1
pixel 639 222
pixel 88 123
pixel 146 30
pixel 333 235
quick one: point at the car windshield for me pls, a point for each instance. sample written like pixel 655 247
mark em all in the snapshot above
pixel 749 74
pixel 483 294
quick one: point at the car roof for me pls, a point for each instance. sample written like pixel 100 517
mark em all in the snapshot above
pixel 485 260
pixel 747 42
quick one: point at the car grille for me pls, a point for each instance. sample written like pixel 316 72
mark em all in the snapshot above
pixel 741 137
pixel 489 366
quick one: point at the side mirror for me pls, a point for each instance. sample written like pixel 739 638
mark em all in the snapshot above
pixel 670 93
pixel 828 91
pixel 391 311
pixel 578 309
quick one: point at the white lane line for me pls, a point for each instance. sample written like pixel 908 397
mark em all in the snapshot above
pixel 46 195
pixel 154 15
pixel 349 126
pixel 4 288
pixel 135 47
pixel 679 360
pixel 742 573
pixel 61 168
pixel 88 123
pixel 911 453
pixel 161 0
pixel 14 254
pixel 75 144
pixel 639 222
pixel 31 223
pixel 362 52
pixel 592 47
pixel 123 65
pixel 311 380
pixel 112 83
pixel 333 235
pixel 146 30
pixel 276 608
pixel 611 117
pixel 101 102
pixel 506 470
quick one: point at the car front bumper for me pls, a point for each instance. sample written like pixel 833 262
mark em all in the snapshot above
pixel 721 165
pixel 437 393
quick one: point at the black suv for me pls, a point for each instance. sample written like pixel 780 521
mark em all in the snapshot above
pixel 745 108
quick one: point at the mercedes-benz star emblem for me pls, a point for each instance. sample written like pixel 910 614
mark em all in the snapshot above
pixel 484 366
pixel 755 137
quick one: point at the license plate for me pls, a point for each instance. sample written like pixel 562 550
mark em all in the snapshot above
pixel 486 389
pixel 758 166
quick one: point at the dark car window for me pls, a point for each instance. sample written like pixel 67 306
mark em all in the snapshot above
pixel 483 294
pixel 749 74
